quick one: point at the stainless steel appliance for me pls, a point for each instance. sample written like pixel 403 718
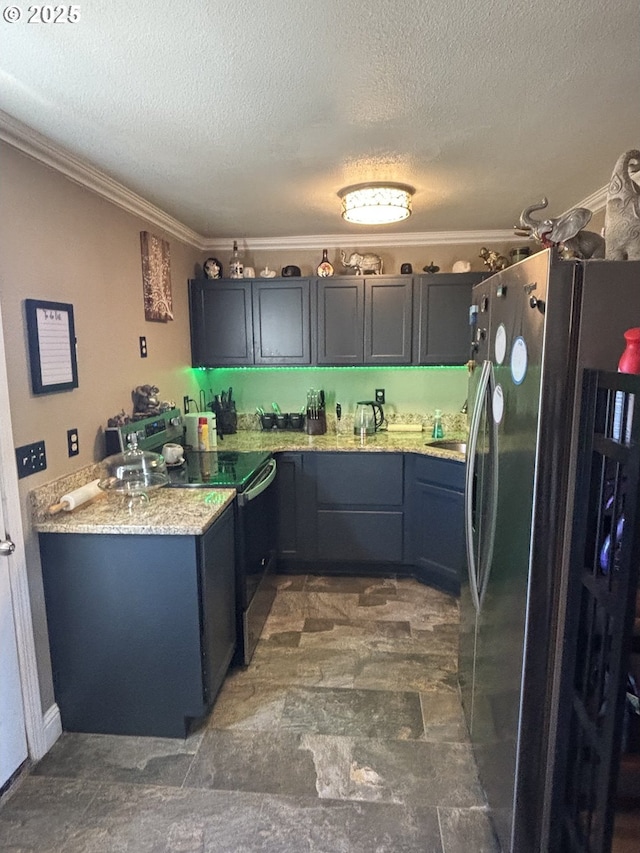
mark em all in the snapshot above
pixel 369 417
pixel 537 324
pixel 151 432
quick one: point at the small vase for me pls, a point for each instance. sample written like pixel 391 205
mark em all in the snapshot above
pixel 325 268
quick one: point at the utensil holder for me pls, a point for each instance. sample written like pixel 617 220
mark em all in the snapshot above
pixel 316 425
pixel 285 422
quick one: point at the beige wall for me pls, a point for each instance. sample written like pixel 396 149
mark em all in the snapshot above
pixel 62 243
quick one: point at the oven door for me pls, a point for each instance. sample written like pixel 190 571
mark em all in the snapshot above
pixel 256 558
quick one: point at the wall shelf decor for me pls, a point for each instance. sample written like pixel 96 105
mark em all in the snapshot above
pixel 156 278
pixel 52 346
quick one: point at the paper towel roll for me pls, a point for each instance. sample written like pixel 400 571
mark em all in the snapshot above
pixel 77 497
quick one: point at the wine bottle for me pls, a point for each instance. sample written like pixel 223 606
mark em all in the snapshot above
pixel 236 265
pixel 325 268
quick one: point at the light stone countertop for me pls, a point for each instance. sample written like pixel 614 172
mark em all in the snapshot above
pixel 169 512
pixel 278 441
pixel 191 511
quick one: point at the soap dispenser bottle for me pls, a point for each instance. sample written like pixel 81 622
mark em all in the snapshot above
pixel 438 431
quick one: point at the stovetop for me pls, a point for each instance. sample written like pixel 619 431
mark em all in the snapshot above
pixel 222 468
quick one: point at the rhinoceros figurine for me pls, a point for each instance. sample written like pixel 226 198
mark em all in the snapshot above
pixel 363 263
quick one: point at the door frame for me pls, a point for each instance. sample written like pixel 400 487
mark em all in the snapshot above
pixel 9 494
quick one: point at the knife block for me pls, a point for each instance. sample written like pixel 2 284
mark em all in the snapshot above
pixel 317 425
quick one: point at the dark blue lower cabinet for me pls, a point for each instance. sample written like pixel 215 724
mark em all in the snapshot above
pixel 434 520
pixel 372 513
pixel 141 628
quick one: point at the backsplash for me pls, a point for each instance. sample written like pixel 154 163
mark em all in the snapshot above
pixel 412 393
pixel 452 422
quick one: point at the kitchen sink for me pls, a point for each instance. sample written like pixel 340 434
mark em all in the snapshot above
pixel 449 444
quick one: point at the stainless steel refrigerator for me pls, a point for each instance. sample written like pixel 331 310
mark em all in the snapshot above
pixel 536 325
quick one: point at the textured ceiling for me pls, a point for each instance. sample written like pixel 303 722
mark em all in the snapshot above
pixel 244 118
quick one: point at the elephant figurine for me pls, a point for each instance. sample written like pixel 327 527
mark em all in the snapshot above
pixel 564 231
pixel 622 214
pixel 362 263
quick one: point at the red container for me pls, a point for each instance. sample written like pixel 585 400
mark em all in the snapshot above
pixel 630 358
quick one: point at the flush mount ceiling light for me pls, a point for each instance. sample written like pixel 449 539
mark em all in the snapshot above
pixel 376 204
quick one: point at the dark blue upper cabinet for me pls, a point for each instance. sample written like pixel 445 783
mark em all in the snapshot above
pixel 387 320
pixel 364 320
pixel 282 321
pixel 441 317
pixel 340 321
pixel 221 322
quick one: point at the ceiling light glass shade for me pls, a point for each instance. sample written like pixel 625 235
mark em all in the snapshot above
pixel 376 204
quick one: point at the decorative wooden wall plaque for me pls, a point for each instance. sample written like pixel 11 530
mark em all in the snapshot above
pixel 156 278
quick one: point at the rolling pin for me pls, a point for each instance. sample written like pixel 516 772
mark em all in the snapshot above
pixel 77 497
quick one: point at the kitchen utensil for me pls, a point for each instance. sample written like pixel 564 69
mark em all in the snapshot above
pixel 276 408
pixel 77 497
pixel 296 420
pixel 267 419
pixel 368 418
pixel 316 423
pixel 173 453
pixel 135 473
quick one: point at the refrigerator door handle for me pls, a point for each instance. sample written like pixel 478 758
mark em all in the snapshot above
pixel 474 429
pixel 484 570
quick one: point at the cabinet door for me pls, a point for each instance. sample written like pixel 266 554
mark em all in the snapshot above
pixel 295 495
pixel 218 601
pixel 359 507
pixel 221 323
pixel 434 520
pixel 387 321
pixel 124 631
pixel 441 317
pixel 340 321
pixel 281 322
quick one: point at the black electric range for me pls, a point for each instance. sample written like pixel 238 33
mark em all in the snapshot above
pixel 251 474
pixel 228 469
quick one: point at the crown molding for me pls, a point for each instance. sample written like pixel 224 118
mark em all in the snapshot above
pixel 42 149
pixel 321 241
pixel 39 148
pixel 596 201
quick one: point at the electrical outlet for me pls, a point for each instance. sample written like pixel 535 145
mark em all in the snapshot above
pixel 73 445
pixel 143 347
pixel 380 395
pixel 31 458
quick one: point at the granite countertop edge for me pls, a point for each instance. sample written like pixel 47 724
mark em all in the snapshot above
pixel 276 441
pixel 170 512
pixel 190 512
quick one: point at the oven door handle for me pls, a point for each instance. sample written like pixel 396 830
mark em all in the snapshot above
pixel 263 482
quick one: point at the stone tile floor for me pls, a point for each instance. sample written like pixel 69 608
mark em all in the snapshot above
pixel 344 735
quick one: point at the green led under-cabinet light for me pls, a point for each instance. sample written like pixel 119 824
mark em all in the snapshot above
pixel 335 367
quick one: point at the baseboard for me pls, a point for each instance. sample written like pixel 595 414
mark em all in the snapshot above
pixel 52 726
pixel 429 576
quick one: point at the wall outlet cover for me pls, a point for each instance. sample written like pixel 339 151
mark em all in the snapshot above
pixel 380 398
pixel 73 444
pixel 31 458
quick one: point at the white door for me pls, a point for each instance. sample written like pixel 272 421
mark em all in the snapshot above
pixel 13 738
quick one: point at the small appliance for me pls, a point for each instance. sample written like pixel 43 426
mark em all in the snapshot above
pixel 369 417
